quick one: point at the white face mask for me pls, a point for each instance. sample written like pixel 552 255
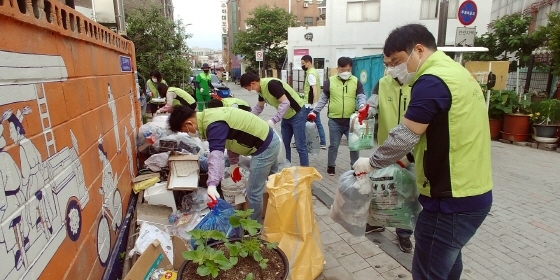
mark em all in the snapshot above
pixel 193 135
pixel 154 80
pixel 401 72
pixel 345 75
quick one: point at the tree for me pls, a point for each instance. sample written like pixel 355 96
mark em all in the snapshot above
pixel 550 35
pixel 267 30
pixel 509 40
pixel 160 44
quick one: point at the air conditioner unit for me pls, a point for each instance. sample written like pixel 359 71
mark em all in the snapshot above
pixel 305 5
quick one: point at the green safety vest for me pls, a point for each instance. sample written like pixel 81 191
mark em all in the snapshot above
pixel 307 87
pixel 393 100
pixel 182 97
pixel 204 81
pixel 342 99
pixel 467 171
pixel 292 96
pixel 247 132
pixel 231 101
pixel 153 88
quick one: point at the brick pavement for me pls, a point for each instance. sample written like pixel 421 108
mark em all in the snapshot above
pixel 519 240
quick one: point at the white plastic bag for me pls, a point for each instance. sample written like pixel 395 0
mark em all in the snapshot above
pixel 351 207
pixel 361 135
pixel 395 198
pixel 282 153
pixel 312 138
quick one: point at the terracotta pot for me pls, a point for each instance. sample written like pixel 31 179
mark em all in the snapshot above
pixel 495 128
pixel 516 127
pixel 543 130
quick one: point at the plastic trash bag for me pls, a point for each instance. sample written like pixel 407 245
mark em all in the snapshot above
pixel 218 219
pixel 180 141
pixel 151 133
pixel 351 203
pixel 282 153
pixel 395 198
pixel 361 135
pixel 312 138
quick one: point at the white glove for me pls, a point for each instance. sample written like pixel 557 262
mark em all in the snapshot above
pixel 362 166
pixel 201 89
pixel 212 192
pixel 232 168
pixel 270 123
pixel 361 106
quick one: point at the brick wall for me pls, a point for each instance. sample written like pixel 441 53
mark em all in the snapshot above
pixel 67 142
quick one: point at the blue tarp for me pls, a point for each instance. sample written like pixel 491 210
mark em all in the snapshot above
pixel 368 69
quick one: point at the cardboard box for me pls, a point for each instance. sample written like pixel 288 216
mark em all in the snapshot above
pixel 157 216
pixel 183 172
pixel 160 195
pixel 154 258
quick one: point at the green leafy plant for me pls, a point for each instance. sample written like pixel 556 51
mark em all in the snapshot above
pixel 211 261
pixel 502 102
pixel 546 112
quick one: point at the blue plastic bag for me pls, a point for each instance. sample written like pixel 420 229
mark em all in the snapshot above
pixel 218 219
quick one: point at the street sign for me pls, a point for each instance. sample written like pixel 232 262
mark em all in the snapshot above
pixel 259 55
pixel 464 37
pixel 467 12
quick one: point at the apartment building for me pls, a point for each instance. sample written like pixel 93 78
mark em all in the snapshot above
pixel 357 28
pixel 538 8
pixel 238 11
pixel 104 9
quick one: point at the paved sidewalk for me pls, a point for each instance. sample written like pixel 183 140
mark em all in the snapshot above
pixel 520 239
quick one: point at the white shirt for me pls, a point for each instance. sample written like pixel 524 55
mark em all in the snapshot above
pixel 311 80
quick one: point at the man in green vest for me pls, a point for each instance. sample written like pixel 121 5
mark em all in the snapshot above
pixel 203 85
pixel 341 92
pixel 311 93
pixel 151 89
pixel 447 124
pixel 290 108
pixel 230 102
pixel 241 133
pixel 174 96
pixel 388 102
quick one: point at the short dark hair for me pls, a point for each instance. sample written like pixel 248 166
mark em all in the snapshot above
pixel 404 38
pixel 179 115
pixel 247 78
pixel 307 58
pixel 344 61
pixel 162 89
pixel 215 103
pixel 157 74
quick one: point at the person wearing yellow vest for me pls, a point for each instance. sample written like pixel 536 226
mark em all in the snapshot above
pixel 230 102
pixel 151 89
pixel 174 96
pixel 341 91
pixel 289 107
pixel 203 85
pixel 388 102
pixel 311 94
pixel 241 133
pixel 447 124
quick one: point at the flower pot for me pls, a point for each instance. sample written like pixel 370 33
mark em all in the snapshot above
pixel 495 128
pixel 543 130
pixel 516 127
pixel 284 274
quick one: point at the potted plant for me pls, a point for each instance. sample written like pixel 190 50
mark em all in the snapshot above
pixel 516 123
pixel 546 118
pixel 249 257
pixel 499 106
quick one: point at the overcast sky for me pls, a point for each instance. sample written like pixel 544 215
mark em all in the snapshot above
pixel 205 17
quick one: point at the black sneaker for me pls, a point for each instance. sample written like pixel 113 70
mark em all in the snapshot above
pixel 405 245
pixel 330 170
pixel 374 229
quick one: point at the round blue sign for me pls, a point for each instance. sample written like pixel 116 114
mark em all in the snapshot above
pixel 467 12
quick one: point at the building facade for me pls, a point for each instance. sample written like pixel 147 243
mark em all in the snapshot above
pixel 538 8
pixel 359 28
pixel 238 11
pixel 106 8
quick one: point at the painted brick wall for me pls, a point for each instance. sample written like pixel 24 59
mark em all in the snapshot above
pixel 67 127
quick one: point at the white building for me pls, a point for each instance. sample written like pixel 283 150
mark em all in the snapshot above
pixel 357 28
pixel 540 8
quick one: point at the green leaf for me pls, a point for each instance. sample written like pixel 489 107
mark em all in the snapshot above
pixel 257 256
pixel 234 221
pixel 272 245
pixel 250 276
pixel 233 249
pixel 233 260
pixel 218 235
pixel 251 226
pixel 243 254
pixel 203 270
pixel 263 263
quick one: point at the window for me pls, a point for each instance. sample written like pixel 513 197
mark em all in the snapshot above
pixel 362 11
pixel 319 63
pixel 308 21
pixel 430 9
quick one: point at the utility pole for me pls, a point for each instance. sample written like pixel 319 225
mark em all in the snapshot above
pixel 442 27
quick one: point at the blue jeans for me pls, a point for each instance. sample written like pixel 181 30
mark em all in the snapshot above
pixel 439 240
pixel 295 126
pixel 336 130
pixel 262 165
pixel 322 140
